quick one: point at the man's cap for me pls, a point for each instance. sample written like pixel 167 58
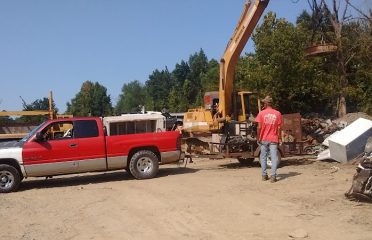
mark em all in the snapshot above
pixel 267 99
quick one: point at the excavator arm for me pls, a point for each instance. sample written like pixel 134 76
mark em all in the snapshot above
pixel 206 119
pixel 247 22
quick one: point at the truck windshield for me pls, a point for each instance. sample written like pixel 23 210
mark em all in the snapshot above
pixel 26 138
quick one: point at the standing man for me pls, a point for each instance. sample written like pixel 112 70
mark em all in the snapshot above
pixel 269 122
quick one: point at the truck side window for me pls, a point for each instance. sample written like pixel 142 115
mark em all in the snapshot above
pixel 58 131
pixel 85 129
pixel 132 127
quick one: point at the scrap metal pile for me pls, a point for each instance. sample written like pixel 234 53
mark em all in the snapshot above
pixel 316 129
pixel 341 139
pixel 361 188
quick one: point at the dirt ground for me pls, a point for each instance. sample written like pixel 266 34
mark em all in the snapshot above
pixel 209 199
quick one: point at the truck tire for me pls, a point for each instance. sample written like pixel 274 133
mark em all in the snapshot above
pixel 9 178
pixel 128 171
pixel 144 164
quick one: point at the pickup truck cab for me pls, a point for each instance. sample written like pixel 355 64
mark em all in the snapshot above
pixel 77 145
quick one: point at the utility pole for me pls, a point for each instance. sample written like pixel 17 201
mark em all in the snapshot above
pixel 51 113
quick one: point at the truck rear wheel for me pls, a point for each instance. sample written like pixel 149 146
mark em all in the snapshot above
pixel 144 164
pixel 9 178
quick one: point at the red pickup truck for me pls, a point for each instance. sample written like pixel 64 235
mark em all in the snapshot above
pixel 77 145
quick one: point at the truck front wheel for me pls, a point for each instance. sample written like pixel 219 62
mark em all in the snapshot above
pixel 9 178
pixel 144 164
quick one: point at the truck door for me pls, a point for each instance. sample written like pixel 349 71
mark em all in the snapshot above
pixel 56 152
pixel 91 145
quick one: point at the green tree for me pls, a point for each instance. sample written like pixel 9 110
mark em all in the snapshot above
pixel 180 73
pixel 337 16
pixel 92 100
pixel 210 78
pixel 37 105
pixel 131 98
pixel 279 70
pixel 319 72
pixel 307 84
pixel 177 101
pixel 359 66
pixel 182 88
pixel 158 87
pixel 188 90
pixel 198 63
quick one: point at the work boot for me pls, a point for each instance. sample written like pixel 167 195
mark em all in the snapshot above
pixel 273 179
pixel 265 178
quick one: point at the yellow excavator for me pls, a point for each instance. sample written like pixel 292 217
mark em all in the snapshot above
pixel 228 115
pixel 225 125
pixel 228 105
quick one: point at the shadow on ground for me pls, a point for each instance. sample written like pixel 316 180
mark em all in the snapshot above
pixel 255 164
pixel 282 176
pixel 175 171
pixel 91 178
pixel 235 165
pixel 296 162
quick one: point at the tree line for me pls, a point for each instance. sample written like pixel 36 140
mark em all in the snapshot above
pixel 279 67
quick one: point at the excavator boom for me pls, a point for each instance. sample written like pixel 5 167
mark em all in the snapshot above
pixel 248 21
pixel 207 119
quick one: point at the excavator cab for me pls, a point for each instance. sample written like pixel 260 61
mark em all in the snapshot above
pixel 246 106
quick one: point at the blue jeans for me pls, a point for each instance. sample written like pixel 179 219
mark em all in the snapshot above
pixel 265 148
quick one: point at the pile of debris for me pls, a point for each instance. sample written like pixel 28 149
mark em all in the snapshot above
pixel 317 129
pixel 361 188
pixel 348 143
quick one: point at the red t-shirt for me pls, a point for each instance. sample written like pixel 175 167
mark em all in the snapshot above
pixel 270 120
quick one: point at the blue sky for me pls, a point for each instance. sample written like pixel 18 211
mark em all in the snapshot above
pixel 57 45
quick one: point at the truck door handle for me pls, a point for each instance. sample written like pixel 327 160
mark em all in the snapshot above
pixel 73 145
